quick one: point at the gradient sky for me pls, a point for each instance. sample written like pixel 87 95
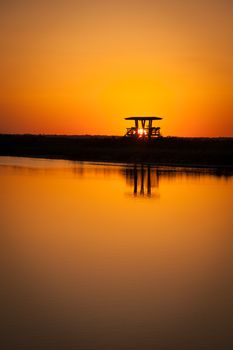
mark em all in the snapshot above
pixel 80 67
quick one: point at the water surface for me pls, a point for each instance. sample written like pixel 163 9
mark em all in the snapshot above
pixel 104 256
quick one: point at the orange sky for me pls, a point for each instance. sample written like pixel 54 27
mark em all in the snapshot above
pixel 80 67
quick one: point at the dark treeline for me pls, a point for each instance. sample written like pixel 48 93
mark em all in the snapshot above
pixel 210 152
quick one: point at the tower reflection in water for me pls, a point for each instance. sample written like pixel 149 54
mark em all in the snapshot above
pixel 143 180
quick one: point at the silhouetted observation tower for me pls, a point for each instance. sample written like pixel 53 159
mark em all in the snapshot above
pixel 143 128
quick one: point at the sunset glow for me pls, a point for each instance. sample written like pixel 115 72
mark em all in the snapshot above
pixel 81 67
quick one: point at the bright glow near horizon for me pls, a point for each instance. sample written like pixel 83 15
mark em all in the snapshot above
pixel 76 67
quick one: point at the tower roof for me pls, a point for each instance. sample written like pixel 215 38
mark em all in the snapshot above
pixel 143 118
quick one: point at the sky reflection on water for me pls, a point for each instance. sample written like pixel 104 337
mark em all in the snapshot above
pixel 115 256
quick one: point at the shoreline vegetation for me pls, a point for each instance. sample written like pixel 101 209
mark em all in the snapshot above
pixel 171 151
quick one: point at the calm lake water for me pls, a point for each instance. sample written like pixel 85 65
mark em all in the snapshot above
pixel 114 257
